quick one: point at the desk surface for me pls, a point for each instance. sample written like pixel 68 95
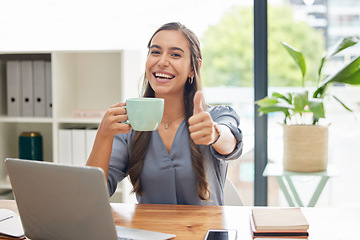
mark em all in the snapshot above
pixel 192 222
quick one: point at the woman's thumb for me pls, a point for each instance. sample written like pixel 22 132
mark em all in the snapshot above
pixel 198 108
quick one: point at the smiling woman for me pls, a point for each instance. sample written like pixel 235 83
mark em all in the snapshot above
pixel 168 64
pixel 184 161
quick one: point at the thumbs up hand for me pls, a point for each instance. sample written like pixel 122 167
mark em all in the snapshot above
pixel 198 108
pixel 201 124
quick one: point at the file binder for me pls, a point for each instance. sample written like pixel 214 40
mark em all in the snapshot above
pixel 39 88
pixel 90 135
pixel 65 147
pixel 78 147
pixel 27 103
pixel 48 87
pixel 75 145
pixel 13 80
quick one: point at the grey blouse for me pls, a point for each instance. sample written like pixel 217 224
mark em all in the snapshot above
pixel 168 178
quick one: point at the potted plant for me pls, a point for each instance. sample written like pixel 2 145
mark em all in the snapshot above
pixel 305 140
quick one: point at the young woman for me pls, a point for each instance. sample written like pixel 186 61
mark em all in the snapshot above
pixel 185 160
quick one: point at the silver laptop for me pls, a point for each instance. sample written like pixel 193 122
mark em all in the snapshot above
pixel 66 202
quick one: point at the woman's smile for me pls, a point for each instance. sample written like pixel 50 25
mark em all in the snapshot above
pixel 163 77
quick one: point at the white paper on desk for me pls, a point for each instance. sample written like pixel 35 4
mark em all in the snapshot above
pixel 11 226
pixel 139 234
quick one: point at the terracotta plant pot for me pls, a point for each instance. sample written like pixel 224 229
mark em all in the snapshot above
pixel 305 148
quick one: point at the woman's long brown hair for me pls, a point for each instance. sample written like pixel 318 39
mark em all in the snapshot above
pixel 141 140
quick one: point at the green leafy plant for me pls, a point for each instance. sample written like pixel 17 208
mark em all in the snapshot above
pixel 297 104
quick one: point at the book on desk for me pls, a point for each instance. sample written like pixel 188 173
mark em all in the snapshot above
pixel 278 222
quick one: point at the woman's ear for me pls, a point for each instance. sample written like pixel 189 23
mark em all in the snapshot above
pixel 192 71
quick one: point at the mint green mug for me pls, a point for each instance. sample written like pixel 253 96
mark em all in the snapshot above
pixel 144 114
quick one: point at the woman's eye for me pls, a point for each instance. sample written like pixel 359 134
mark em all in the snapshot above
pixel 176 55
pixel 155 52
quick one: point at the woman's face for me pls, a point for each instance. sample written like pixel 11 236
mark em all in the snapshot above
pixel 168 64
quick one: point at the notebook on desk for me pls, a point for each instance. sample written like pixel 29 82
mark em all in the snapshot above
pixel 278 222
pixel 66 202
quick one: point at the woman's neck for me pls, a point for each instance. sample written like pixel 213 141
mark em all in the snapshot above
pixel 174 107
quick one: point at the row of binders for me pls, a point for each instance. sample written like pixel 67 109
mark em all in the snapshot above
pixel 29 88
pixel 75 145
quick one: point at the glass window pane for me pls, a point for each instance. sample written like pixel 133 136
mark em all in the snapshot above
pixel 228 79
pixel 313 27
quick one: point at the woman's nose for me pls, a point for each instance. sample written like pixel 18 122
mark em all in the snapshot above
pixel 163 61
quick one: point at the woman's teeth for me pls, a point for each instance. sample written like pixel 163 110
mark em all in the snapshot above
pixel 163 75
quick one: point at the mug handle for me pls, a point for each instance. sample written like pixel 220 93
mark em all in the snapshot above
pixel 127 121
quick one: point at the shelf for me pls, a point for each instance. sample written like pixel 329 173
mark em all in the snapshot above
pixel 85 81
pixel 30 56
pixel 4 185
pixel 79 120
pixel 5 119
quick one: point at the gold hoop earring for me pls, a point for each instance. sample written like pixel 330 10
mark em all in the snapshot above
pixel 191 80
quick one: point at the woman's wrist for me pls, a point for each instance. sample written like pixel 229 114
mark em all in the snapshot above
pixel 217 133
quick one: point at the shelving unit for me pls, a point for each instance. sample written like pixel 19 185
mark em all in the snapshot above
pixel 81 80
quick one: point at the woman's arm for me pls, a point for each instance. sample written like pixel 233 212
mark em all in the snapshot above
pixel 203 130
pixel 224 142
pixel 110 125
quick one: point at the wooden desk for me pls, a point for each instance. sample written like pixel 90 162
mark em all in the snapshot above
pixel 192 222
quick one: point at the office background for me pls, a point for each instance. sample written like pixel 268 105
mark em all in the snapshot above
pixel 46 26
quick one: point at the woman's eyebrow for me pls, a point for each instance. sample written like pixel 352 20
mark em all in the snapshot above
pixel 177 48
pixel 155 46
pixel 172 48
